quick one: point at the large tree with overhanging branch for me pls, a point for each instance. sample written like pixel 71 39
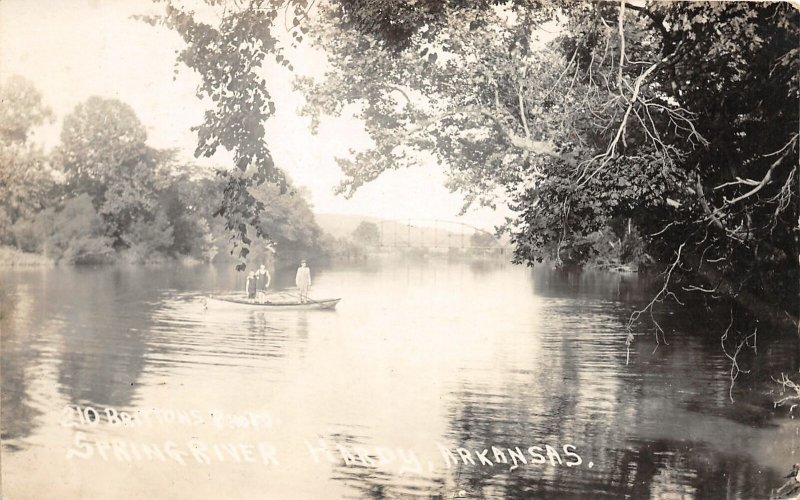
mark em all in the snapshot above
pixel 228 51
pixel 680 117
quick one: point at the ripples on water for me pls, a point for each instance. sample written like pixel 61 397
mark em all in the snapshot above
pixel 416 354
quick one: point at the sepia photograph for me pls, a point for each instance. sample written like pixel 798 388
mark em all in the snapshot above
pixel 397 249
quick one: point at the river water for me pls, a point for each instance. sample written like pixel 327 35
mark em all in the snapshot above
pixel 437 379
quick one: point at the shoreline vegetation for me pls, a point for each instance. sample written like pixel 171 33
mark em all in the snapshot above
pixel 104 196
pixel 11 257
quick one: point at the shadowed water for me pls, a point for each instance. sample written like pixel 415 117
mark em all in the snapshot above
pixel 374 399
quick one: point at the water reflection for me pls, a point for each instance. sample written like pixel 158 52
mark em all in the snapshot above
pixel 20 353
pixel 461 354
pixel 102 330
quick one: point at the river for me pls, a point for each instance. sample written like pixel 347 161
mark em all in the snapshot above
pixel 432 378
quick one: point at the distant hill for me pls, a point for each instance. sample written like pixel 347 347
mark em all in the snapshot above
pixel 341 225
pixel 397 232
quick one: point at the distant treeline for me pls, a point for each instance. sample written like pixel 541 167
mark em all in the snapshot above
pixel 103 194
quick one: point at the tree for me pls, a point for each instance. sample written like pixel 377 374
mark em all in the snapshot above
pixel 480 239
pixel 25 179
pixel 367 233
pixel 288 219
pixel 679 116
pixel 185 195
pixel 103 153
pixel 22 109
pixel 229 58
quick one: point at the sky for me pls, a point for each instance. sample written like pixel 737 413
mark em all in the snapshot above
pixel 74 49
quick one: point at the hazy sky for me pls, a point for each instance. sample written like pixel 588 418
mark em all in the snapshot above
pixel 73 49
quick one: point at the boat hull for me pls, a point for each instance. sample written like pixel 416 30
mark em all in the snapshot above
pixel 274 305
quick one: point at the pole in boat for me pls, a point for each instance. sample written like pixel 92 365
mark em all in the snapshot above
pixel 307 298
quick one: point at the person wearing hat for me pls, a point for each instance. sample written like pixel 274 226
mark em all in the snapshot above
pixel 303 280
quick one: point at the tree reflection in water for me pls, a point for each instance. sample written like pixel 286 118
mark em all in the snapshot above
pixel 20 324
pixel 514 358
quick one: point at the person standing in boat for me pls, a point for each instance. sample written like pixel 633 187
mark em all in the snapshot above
pixel 262 282
pixel 251 286
pixel 303 281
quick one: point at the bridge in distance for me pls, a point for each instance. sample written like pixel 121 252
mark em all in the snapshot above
pixel 435 234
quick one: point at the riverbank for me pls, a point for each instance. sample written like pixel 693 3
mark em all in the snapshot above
pixel 11 257
pixel 14 257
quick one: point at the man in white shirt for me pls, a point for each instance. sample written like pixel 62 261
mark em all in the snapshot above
pixel 303 281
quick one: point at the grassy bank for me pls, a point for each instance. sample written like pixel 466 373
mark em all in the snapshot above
pixel 14 257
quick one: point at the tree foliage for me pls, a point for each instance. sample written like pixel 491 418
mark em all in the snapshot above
pixel 110 195
pixel 74 233
pixel 229 58
pixel 480 239
pixel 22 110
pixel 289 220
pixel 367 233
pixel 679 116
pixel 25 180
pixel 103 153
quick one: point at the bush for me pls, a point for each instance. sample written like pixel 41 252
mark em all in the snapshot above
pixel 14 257
pixel 632 250
pixel 75 234
pixel 27 235
pixel 341 248
pixel 6 233
pixel 88 249
pixel 149 240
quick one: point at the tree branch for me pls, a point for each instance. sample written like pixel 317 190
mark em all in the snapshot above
pixel 703 203
pixel 399 89
pixel 621 25
pixel 611 149
pixel 659 297
pixel 545 148
pixel 522 113
pixel 764 181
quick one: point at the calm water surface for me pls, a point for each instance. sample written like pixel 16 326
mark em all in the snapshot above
pixel 374 399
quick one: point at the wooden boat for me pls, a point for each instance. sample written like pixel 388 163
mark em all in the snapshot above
pixel 273 303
